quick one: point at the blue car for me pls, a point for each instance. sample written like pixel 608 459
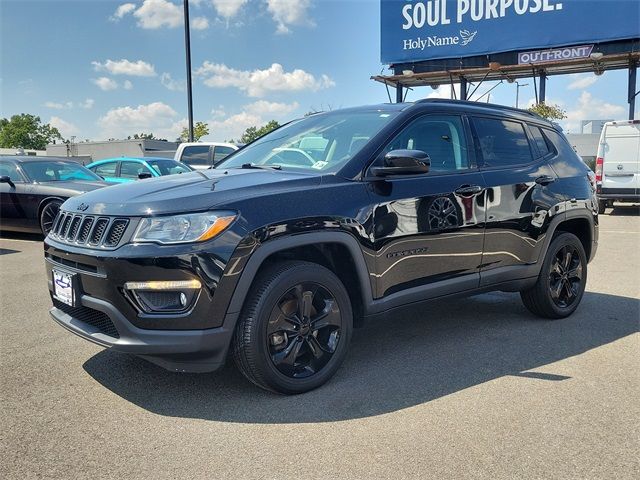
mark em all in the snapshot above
pixel 127 169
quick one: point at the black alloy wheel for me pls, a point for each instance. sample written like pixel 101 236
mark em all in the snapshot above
pixel 565 278
pixel 562 279
pixel 303 330
pixel 293 332
pixel 48 215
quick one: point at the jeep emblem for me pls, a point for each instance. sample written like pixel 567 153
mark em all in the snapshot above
pixel 82 207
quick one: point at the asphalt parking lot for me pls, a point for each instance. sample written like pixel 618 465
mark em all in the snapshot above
pixel 467 389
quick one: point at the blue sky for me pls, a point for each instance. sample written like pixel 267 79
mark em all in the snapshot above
pixel 108 69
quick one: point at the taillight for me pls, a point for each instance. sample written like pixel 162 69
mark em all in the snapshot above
pixel 599 165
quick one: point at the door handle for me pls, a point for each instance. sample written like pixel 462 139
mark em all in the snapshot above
pixel 545 180
pixel 469 190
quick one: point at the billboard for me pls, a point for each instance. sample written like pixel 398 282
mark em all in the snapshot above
pixel 418 30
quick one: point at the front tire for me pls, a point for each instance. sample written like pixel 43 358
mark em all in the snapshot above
pixel 48 215
pixel 562 279
pixel 295 327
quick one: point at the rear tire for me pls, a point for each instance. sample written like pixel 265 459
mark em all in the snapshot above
pixel 562 279
pixel 295 327
pixel 602 206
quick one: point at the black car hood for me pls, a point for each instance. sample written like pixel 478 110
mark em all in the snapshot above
pixel 188 192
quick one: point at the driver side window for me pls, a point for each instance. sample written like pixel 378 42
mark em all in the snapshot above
pixel 442 137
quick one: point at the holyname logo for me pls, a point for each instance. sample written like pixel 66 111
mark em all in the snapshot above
pixel 420 43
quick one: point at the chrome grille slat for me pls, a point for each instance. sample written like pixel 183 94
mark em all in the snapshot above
pixel 91 230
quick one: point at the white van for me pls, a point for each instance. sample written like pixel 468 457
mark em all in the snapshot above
pixel 618 164
pixel 202 155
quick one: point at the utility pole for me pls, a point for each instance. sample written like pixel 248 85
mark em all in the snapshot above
pixel 187 44
pixel 518 86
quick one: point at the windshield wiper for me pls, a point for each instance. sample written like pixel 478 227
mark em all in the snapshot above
pixel 261 167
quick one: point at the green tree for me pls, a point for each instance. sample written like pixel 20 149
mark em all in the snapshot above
pixel 550 112
pixel 252 133
pixel 200 129
pixel 26 131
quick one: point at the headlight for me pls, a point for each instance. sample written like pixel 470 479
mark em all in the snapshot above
pixel 186 228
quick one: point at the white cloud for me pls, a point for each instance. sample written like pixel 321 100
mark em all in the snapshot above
pixel 159 13
pixel 257 83
pixel 444 91
pixel 58 105
pixel 171 84
pixel 105 83
pixel 589 107
pixel 127 85
pixel 254 114
pixel 264 108
pixel 228 8
pixel 582 82
pixel 66 129
pixel 157 118
pixel 199 23
pixel 288 13
pixel 122 10
pixel 138 68
pixel 88 103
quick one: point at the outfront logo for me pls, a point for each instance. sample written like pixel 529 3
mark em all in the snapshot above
pixel 420 43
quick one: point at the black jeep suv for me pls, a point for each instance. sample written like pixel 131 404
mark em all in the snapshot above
pixel 278 252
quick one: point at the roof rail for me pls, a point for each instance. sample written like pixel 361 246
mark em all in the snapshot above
pixel 478 104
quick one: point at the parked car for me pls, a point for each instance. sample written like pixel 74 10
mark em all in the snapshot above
pixel 618 164
pixel 129 169
pixel 276 257
pixel 33 188
pixel 203 155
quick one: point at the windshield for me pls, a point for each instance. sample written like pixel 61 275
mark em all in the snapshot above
pixel 323 142
pixel 168 167
pixel 59 171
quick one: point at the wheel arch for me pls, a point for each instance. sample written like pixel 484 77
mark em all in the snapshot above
pixel 338 251
pixel 47 200
pixel 578 222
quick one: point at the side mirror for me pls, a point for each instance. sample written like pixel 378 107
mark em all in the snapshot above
pixel 403 162
pixel 7 179
pixel 143 175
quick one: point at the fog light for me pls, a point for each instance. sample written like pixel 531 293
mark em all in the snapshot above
pixel 164 285
pixel 175 296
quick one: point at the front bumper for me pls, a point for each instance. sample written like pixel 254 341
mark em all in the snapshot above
pixel 180 351
pixel 196 340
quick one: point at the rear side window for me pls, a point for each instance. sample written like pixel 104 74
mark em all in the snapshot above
pixel 196 155
pixel 220 153
pixel 503 143
pixel 541 142
pixel 560 143
pixel 106 169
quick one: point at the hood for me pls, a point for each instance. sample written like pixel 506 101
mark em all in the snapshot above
pixel 187 192
pixel 75 187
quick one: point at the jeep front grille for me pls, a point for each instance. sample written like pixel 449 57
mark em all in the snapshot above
pixel 91 230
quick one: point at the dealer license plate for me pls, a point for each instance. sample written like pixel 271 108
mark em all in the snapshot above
pixel 63 287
